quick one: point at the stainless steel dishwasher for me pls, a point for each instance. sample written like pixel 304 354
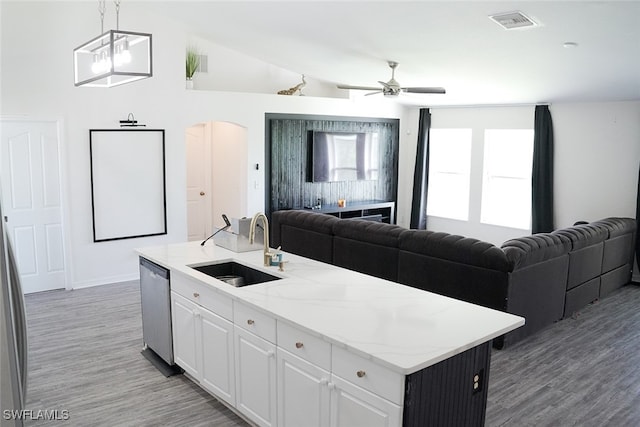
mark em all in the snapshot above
pixel 155 298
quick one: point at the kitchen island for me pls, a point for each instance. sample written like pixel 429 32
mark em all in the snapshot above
pixel 323 345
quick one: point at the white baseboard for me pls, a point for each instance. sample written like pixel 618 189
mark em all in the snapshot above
pixel 106 281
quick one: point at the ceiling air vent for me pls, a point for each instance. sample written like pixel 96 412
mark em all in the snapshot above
pixel 204 64
pixel 513 20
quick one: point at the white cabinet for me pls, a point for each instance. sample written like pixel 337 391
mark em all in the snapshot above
pixel 352 406
pixel 275 373
pixel 203 346
pixel 185 336
pixel 312 393
pixel 303 392
pixel 255 377
pixel 364 393
pixel 304 364
pixel 218 363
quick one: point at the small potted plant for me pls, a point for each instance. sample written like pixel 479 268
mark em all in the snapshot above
pixel 192 64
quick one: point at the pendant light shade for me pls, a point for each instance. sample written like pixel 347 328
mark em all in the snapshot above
pixel 114 58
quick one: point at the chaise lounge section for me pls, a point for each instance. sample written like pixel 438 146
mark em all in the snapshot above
pixel 542 277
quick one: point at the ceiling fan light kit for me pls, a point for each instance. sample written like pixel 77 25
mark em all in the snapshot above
pixel 392 88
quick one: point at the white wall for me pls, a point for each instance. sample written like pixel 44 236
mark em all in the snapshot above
pixel 233 71
pixel 36 69
pixel 597 149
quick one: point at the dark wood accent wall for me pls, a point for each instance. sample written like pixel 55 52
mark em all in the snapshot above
pixel 287 161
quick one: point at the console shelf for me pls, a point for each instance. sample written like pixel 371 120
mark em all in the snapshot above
pixel 368 210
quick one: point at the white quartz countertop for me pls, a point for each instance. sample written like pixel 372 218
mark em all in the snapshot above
pixel 403 328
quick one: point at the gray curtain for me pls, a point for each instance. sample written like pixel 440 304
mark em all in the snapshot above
pixel 421 173
pixel 542 172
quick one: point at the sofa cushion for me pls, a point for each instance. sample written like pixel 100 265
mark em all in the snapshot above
pixel 584 235
pixel 478 285
pixel 537 293
pixel 304 233
pixel 585 258
pixel 368 247
pixel 379 233
pixel 618 226
pixel 535 248
pixel 454 248
pixel 618 248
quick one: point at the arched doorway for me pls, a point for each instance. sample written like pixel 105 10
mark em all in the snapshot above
pixel 217 158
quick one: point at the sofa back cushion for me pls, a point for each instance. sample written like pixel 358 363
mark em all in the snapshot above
pixel 585 257
pixel 304 233
pixel 455 266
pixel 619 247
pixel 529 250
pixel 368 247
pixel 454 248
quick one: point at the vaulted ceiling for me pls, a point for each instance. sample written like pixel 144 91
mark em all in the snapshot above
pixel 579 51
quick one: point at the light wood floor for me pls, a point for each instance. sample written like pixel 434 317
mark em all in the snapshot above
pixel 85 358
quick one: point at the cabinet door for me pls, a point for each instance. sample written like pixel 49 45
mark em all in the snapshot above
pixel 352 406
pixel 216 337
pixel 303 392
pixel 255 377
pixel 186 350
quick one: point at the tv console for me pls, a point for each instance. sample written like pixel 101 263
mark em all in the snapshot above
pixel 373 210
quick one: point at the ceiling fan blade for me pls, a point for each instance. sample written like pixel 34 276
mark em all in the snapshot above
pixel 385 84
pixel 357 87
pixel 439 90
pixel 373 93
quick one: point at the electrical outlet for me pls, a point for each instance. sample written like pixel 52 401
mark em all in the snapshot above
pixel 478 381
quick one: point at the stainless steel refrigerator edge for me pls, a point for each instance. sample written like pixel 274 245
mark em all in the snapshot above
pixel 13 337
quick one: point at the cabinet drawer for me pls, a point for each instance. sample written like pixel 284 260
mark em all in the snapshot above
pixel 367 374
pixel 202 294
pixel 254 321
pixel 304 345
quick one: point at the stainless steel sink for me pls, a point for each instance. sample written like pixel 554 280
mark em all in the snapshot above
pixel 235 274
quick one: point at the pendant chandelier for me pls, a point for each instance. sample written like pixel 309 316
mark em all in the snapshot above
pixel 114 58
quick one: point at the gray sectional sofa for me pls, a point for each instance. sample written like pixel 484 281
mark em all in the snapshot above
pixel 543 277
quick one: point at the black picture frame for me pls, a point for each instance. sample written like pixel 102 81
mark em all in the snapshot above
pixel 128 183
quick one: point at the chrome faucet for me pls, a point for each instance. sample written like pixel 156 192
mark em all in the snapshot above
pixel 252 235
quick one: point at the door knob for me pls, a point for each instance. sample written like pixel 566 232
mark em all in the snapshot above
pixel 202 193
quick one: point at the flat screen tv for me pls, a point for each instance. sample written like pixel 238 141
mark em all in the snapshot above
pixel 344 156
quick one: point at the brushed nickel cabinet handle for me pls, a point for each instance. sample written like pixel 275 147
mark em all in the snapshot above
pixel 202 193
pixel 361 374
pixel 299 344
pixel 250 322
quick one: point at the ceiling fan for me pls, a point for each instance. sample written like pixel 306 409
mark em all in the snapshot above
pixel 392 88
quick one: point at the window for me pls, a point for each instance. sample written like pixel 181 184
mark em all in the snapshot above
pixel 506 186
pixel 449 167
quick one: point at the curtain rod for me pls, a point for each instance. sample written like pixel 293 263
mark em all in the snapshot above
pixel 485 105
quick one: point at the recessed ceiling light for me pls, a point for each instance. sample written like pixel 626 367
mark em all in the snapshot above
pixel 570 45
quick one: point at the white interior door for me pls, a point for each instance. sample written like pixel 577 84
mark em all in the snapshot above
pixel 198 153
pixel 217 156
pixel 31 200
